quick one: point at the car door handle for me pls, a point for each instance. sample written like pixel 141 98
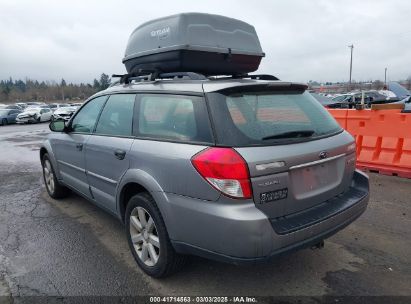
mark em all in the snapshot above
pixel 120 154
pixel 79 147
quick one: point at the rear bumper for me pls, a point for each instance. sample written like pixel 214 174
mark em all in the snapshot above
pixel 239 233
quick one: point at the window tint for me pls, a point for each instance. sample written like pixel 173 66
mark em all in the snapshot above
pixel 173 117
pixel 117 115
pixel 85 119
pixel 264 118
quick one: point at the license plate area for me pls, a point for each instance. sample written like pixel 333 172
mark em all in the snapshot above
pixel 315 179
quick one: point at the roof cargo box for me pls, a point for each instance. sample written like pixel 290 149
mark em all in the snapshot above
pixel 195 42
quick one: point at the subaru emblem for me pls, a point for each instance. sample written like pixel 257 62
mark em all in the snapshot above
pixel 323 154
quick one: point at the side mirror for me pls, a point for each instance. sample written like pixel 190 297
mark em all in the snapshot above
pixel 57 125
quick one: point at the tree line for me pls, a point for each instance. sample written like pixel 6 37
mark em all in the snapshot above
pixel 33 90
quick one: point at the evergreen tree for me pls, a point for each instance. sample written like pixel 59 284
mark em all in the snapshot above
pixel 104 81
pixel 96 85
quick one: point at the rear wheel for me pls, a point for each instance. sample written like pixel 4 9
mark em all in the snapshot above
pixel 4 121
pixel 148 238
pixel 53 187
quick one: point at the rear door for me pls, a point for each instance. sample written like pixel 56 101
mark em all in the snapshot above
pixel 69 147
pixel 12 115
pixel 297 154
pixel 107 151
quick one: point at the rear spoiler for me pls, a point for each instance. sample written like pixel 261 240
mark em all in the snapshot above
pixel 275 87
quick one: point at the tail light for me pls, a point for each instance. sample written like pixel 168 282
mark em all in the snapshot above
pixel 225 170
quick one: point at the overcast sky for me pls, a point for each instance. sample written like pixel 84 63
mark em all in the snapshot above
pixel 303 40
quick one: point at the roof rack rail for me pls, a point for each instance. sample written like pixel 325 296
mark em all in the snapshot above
pixel 151 75
pixel 243 76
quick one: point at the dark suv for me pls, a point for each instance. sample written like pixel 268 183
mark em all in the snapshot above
pixel 235 169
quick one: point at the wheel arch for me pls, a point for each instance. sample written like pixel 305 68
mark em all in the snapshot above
pixel 46 149
pixel 137 181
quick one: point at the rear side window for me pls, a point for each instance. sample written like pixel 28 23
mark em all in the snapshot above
pixel 264 118
pixel 173 117
pixel 86 118
pixel 117 116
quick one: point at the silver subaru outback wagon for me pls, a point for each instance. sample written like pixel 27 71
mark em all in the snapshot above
pixel 236 170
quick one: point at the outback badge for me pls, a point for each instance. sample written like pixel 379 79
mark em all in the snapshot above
pixel 273 195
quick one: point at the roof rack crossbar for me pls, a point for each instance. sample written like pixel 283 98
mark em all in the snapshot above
pixel 151 75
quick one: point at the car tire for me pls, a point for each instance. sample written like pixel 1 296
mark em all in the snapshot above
pixel 38 119
pixel 53 187
pixel 168 261
pixel 4 122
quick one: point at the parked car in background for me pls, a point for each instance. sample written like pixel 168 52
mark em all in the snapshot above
pixel 324 100
pixel 76 104
pixel 44 106
pixel 13 107
pixel 398 90
pixel 55 106
pixel 349 100
pixel 64 113
pixel 8 116
pixel 32 115
pixel 407 103
pixel 22 105
pixel 34 103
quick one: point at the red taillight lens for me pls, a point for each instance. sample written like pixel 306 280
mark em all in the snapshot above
pixel 225 170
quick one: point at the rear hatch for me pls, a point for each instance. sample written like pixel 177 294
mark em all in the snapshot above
pixel 297 154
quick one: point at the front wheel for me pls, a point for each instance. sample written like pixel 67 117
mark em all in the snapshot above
pixel 148 238
pixel 53 187
pixel 4 122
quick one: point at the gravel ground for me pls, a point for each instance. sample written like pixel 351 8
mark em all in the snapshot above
pixel 72 248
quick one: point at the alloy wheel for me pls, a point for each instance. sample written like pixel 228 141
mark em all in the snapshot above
pixel 144 236
pixel 48 176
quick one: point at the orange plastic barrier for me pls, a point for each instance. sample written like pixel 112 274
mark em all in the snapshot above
pixel 340 116
pixel 383 139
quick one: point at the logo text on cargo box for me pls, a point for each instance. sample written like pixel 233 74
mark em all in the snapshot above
pixel 161 33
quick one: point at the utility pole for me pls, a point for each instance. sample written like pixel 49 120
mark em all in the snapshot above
pixel 385 77
pixel 351 47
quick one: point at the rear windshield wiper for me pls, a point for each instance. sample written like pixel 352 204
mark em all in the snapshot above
pixel 290 134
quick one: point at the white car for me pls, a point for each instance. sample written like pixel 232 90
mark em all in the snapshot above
pixel 64 113
pixel 56 106
pixel 34 115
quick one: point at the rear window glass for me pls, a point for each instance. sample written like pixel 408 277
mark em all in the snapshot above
pixel 173 117
pixel 264 118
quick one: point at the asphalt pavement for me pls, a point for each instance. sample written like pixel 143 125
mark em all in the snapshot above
pixel 72 248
